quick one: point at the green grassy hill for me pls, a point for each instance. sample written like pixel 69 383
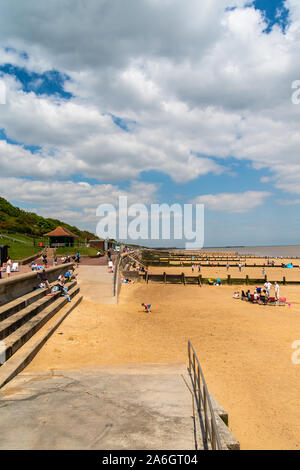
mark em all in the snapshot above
pixel 18 221
pixel 19 250
pixel 23 232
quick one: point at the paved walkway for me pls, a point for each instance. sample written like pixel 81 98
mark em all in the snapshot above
pixel 125 407
pixel 96 284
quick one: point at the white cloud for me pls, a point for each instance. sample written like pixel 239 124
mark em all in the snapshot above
pixel 197 81
pixel 73 202
pixel 233 202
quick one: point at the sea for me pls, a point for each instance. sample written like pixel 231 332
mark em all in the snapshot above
pixel 272 251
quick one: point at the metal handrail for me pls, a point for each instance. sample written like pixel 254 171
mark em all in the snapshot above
pixel 119 258
pixel 135 260
pixel 116 269
pixel 203 399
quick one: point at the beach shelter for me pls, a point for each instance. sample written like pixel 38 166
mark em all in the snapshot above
pixel 290 266
pixel 61 237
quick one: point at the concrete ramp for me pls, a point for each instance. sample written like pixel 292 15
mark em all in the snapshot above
pixel 96 284
pixel 127 407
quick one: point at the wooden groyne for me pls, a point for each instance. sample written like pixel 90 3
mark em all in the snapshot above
pixel 152 258
pixel 165 278
pixel 211 265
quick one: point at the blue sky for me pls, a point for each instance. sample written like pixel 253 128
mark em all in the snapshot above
pixel 275 11
pixel 196 112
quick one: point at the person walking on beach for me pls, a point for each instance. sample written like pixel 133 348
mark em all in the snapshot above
pixel 240 267
pixel 227 266
pixel 263 271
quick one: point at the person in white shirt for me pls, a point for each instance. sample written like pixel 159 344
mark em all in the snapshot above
pixel 8 266
pixel 268 286
pixel 276 291
pixel 111 266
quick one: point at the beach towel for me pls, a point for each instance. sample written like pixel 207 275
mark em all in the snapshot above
pixel 282 301
pixel 272 301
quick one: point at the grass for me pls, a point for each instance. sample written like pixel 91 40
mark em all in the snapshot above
pixel 19 250
pixel 28 246
pixel 72 250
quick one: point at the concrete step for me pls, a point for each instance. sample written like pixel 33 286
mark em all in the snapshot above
pixel 18 304
pixel 23 301
pixel 19 337
pixel 28 351
pixel 18 319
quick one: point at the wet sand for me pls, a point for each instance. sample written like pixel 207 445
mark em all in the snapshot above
pixel 245 350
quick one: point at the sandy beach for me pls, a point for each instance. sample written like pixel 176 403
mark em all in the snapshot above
pixel 245 350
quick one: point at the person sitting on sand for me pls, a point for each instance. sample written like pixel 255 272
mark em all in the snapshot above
pixel 147 308
pixel 264 297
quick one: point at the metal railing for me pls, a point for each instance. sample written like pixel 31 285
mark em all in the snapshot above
pixel 116 274
pixel 203 400
pixel 135 259
pixel 117 268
